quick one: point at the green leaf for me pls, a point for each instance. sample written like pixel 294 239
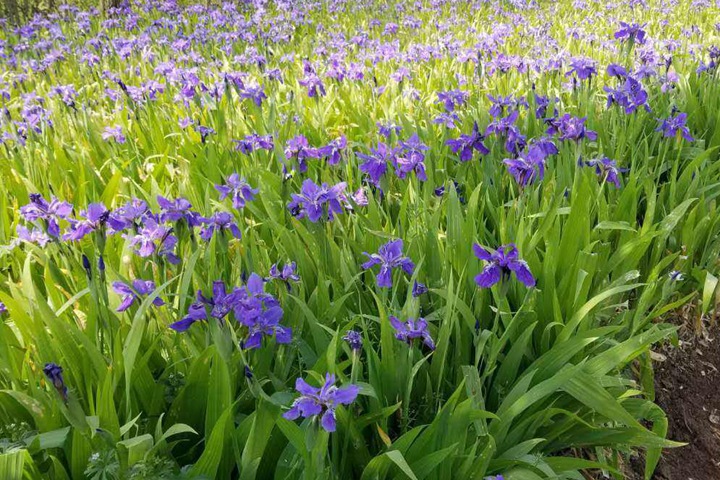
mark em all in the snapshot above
pixel 134 449
pixel 211 457
pixel 379 465
pixel 711 283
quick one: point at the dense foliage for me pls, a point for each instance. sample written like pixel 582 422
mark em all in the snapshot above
pixel 425 240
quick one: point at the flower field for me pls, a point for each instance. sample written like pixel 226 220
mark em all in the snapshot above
pixel 335 240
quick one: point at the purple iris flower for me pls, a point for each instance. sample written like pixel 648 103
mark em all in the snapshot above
pixel 500 104
pixel 3 309
pixel 149 237
pixel 674 126
pixel 53 372
pixel 286 275
pixel 196 312
pixel 333 150
pixel 252 300
pixel 410 163
pixel 128 215
pixel 630 96
pixel 261 313
pixel 219 222
pixel 35 236
pixel 245 145
pixel 502 125
pixel 413 146
pixel 400 74
pixel 267 324
pixel 411 329
pixel 254 142
pixel 52 212
pixel 607 170
pixel 545 144
pixel 130 294
pixel 447 119
pixel 466 144
pixel 631 32
pixel 314 200
pixel 711 66
pixel 390 28
pixel 167 247
pixel 389 256
pixel 452 99
pixel 67 94
pixel 96 216
pixel 583 68
pixel 322 401
pixel 570 128
pixel 204 132
pixel 500 264
pixel 388 128
pixel 176 210
pixel 360 197
pixel 615 70
pixel 375 164
pixel 505 127
pixel 237 188
pixel 299 149
pixel 354 339
pixel 221 302
pixel 312 82
pixel 115 133
pixel 254 93
pixel 527 167
pixel 460 189
pixel 274 74
pixel 418 289
pixel 411 159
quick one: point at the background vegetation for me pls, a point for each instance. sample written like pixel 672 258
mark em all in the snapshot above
pixel 542 382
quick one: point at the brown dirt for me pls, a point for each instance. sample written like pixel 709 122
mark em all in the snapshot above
pixel 687 387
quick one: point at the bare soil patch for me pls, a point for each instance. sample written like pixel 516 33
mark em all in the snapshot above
pixel 687 387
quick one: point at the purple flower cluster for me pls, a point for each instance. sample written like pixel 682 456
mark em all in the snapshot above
pixel 298 148
pixel 311 81
pixel 631 32
pixel 466 144
pixel 50 213
pixel 259 312
pixel 318 202
pixel 529 166
pixel 114 133
pixel 408 157
pixel 254 142
pixel 568 127
pixel 507 129
pixel 452 99
pixel 147 232
pixel 630 95
pixel 674 126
